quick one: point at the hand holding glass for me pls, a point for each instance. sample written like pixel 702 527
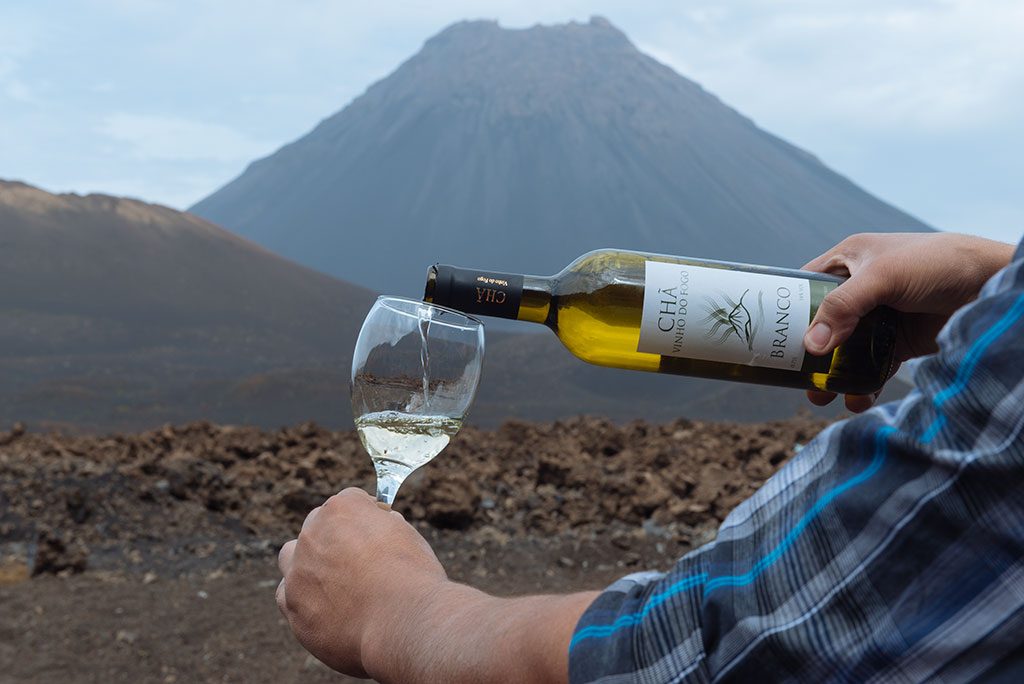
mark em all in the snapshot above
pixel 415 371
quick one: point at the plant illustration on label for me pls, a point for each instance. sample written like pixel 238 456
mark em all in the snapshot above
pixel 734 317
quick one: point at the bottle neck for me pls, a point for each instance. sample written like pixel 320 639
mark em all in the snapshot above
pixel 488 293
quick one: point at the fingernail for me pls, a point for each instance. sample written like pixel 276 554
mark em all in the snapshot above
pixel 818 336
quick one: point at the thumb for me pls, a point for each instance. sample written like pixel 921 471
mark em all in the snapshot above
pixel 841 310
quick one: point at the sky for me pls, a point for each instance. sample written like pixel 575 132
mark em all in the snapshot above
pixel 921 102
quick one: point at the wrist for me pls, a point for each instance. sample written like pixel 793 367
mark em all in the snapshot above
pixel 406 630
pixel 452 632
pixel 988 256
pixel 999 255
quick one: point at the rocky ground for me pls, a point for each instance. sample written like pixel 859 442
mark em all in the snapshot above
pixel 150 557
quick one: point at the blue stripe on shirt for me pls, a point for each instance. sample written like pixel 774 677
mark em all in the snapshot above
pixel 966 369
pixel 628 620
pixel 969 363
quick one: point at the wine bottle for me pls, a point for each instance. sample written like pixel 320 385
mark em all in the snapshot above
pixel 667 314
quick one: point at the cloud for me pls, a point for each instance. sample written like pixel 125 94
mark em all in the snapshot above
pixel 941 65
pixel 12 87
pixel 170 138
pixel 19 32
pixel 18 91
pixel 178 191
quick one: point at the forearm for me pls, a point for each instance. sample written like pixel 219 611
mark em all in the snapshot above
pixel 988 256
pixel 455 633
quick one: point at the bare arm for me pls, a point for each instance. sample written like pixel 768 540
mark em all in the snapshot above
pixel 464 635
pixel 364 593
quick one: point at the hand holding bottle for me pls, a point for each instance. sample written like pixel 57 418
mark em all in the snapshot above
pixel 924 276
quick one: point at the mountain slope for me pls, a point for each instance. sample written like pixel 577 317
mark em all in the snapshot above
pixel 521 149
pixel 138 271
pixel 110 305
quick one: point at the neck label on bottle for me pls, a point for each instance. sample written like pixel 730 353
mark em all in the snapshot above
pixel 479 292
pixel 719 314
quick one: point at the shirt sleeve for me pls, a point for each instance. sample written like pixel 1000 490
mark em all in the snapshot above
pixel 890 548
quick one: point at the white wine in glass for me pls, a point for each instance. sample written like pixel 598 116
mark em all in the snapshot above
pixel 415 371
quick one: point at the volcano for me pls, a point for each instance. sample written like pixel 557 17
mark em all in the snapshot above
pixel 519 150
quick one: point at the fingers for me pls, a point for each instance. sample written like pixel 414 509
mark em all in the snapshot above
pixel 855 403
pixel 842 309
pixel 832 261
pixel 858 403
pixel 820 398
pixel 285 555
pixel 355 492
pixel 279 596
pixel 840 260
pixel 353 502
pixel 345 498
pixel 350 496
pixel 837 315
pixel 310 517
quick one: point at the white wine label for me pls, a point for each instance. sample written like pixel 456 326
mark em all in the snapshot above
pixel 718 314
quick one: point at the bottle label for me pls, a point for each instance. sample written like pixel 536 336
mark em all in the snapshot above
pixel 479 292
pixel 718 314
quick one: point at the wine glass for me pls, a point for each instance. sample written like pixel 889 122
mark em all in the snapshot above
pixel 414 374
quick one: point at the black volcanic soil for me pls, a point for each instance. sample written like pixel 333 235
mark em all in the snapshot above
pixel 151 557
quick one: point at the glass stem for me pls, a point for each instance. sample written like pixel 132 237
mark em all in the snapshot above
pixel 387 487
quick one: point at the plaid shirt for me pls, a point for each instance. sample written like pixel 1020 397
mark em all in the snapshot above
pixel 890 549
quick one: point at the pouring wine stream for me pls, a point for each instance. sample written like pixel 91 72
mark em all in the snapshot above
pixel 399 441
